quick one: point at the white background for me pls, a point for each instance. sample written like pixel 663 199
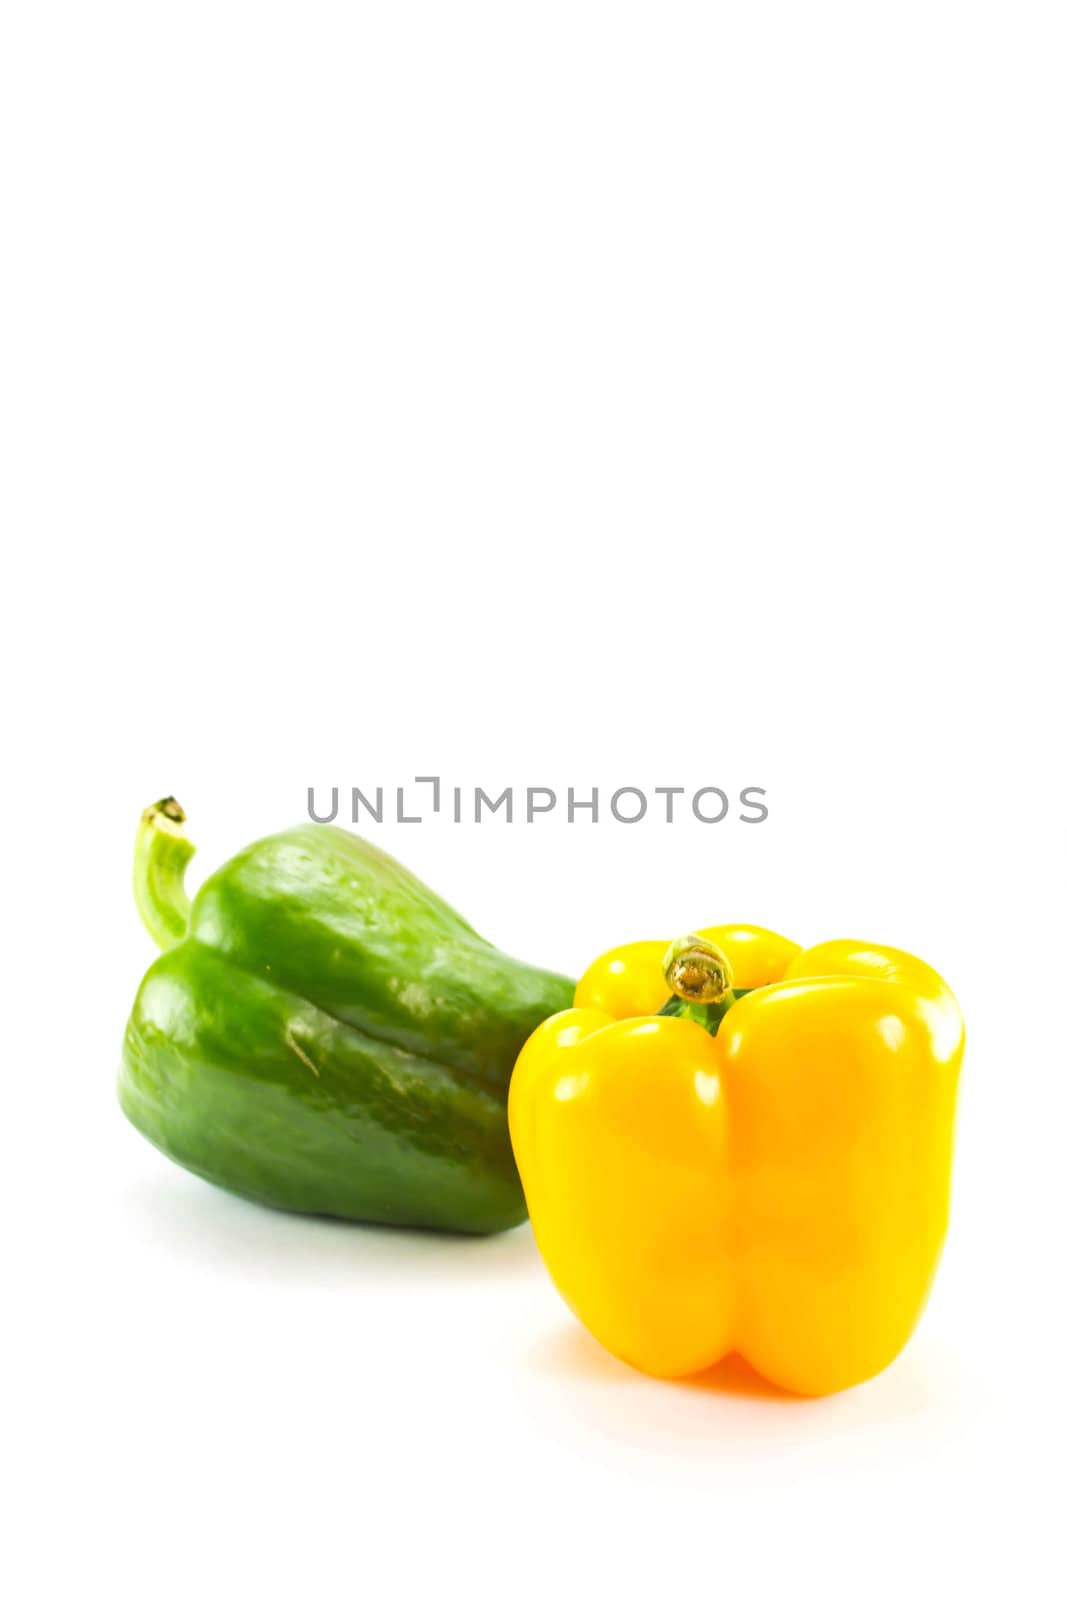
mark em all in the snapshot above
pixel 558 394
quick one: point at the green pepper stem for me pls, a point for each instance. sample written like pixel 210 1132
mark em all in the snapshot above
pixel 700 980
pixel 160 858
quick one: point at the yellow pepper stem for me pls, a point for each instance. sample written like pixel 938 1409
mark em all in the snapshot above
pixel 700 980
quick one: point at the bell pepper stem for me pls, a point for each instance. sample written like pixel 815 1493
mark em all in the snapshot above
pixel 700 980
pixel 160 858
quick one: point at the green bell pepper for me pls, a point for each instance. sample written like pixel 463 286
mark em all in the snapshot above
pixel 324 1034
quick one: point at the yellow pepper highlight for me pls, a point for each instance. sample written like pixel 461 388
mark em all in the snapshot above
pixel 766 1173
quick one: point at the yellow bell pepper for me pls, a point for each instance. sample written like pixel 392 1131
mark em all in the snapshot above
pixel 710 1170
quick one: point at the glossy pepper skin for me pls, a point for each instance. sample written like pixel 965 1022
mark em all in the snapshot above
pixel 324 1034
pixel 766 1174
